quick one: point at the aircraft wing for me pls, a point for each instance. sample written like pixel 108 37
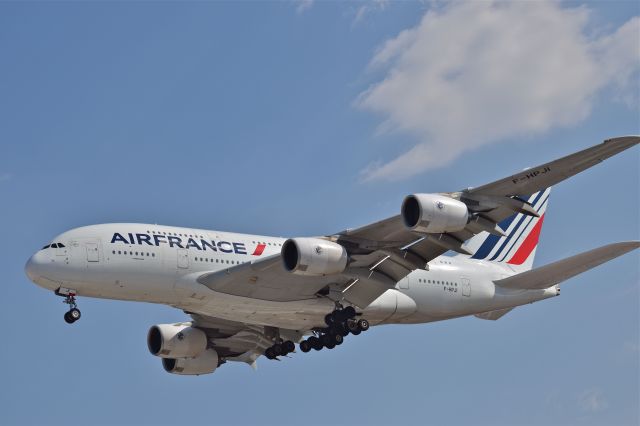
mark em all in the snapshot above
pixel 265 279
pixel 545 175
pixel 385 252
pixel 557 272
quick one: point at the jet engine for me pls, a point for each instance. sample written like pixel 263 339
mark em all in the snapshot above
pixel 433 213
pixel 176 341
pixel 313 256
pixel 205 363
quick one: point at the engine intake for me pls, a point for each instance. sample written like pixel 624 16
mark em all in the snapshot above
pixel 313 256
pixel 433 213
pixel 205 363
pixel 176 341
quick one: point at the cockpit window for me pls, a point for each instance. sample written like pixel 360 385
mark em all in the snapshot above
pixel 54 245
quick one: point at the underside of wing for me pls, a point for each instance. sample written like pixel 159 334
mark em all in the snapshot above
pixel 265 279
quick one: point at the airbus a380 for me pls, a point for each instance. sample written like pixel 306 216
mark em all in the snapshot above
pixel 446 255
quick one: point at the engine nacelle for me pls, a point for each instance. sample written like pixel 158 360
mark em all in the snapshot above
pixel 433 213
pixel 313 256
pixel 176 341
pixel 205 363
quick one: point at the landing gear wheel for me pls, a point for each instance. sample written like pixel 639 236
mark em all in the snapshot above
pixel 329 319
pixel 352 326
pixel 363 324
pixel 339 316
pixel 343 330
pixel 277 349
pixel 349 311
pixel 338 339
pixel 305 346
pixel 326 340
pixel 316 344
pixel 269 353
pixel 68 318
pixel 288 346
pixel 74 313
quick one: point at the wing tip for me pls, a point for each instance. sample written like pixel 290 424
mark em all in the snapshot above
pixel 624 142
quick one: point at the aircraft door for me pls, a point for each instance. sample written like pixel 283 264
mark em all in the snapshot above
pixel 466 287
pixel 93 255
pixel 183 258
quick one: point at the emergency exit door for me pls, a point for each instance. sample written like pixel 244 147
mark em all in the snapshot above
pixel 92 252
pixel 183 258
pixel 466 287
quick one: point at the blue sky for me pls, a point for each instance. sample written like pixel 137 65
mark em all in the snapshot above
pixel 293 119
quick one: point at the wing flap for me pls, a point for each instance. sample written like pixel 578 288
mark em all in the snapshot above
pixel 557 272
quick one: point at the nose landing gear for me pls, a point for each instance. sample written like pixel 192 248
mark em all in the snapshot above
pixel 73 314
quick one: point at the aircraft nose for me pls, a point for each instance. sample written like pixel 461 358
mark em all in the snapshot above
pixel 35 265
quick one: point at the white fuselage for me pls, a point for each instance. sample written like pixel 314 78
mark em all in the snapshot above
pixel 160 264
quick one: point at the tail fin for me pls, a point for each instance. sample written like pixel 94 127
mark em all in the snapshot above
pixel 518 248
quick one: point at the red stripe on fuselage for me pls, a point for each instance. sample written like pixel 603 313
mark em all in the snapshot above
pixel 528 244
pixel 259 249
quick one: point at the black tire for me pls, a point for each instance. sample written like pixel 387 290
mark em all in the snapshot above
pixel 339 316
pixel 277 349
pixel 305 346
pixel 344 331
pixel 74 313
pixel 68 319
pixel 350 312
pixel 356 331
pixel 363 324
pixel 352 326
pixel 338 339
pixel 269 353
pixel 316 344
pixel 326 339
pixel 329 320
pixel 288 346
pixel 330 345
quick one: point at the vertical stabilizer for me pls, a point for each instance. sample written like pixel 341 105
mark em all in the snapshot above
pixel 518 247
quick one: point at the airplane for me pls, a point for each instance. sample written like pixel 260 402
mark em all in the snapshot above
pixel 444 256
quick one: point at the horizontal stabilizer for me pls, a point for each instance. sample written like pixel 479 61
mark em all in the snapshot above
pixel 557 272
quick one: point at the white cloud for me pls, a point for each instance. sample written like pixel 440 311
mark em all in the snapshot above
pixel 368 7
pixel 592 401
pixel 475 73
pixel 303 5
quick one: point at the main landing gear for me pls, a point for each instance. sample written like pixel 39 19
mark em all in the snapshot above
pixel 73 314
pixel 340 323
pixel 280 349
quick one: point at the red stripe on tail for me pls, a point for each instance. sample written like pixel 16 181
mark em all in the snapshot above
pixel 528 244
